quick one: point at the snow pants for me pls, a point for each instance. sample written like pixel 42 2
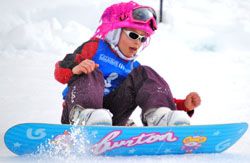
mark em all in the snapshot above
pixel 143 87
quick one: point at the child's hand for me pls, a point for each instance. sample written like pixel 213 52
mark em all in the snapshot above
pixel 192 101
pixel 87 66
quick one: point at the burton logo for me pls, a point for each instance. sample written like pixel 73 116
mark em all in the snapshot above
pixel 108 142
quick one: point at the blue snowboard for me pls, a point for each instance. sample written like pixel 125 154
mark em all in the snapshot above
pixel 30 138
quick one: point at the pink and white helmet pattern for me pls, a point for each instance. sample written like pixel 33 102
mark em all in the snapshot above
pixel 127 14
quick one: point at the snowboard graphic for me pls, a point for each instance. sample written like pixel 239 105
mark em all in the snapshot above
pixel 28 138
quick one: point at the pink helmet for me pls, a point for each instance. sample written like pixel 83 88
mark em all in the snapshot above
pixel 127 14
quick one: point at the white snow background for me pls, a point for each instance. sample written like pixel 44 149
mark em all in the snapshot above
pixel 202 46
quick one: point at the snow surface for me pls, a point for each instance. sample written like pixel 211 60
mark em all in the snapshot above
pixel 202 46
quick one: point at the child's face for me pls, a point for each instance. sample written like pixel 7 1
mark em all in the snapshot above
pixel 129 46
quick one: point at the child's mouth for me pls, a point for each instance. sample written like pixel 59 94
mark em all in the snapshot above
pixel 133 50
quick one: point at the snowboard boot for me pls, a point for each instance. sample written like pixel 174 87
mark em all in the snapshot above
pixel 130 123
pixel 164 116
pixel 88 117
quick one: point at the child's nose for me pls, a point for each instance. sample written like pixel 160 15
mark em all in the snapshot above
pixel 138 42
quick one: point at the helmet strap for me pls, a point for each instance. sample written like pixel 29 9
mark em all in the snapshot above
pixel 121 55
pixel 113 37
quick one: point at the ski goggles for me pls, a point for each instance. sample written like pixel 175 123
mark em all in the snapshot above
pixel 135 36
pixel 145 15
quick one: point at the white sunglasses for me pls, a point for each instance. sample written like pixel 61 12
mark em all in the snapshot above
pixel 135 36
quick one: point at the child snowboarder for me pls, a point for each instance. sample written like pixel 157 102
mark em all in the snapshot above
pixel 106 84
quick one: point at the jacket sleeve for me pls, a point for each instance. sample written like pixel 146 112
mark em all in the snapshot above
pixel 63 75
pixel 180 106
pixel 63 69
